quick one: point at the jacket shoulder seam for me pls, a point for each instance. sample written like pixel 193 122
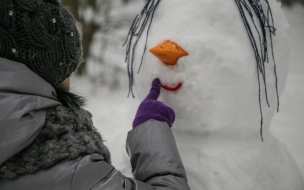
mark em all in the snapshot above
pixel 76 167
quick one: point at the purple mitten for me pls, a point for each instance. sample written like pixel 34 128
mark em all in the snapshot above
pixel 150 108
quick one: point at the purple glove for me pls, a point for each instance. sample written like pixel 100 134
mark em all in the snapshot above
pixel 150 108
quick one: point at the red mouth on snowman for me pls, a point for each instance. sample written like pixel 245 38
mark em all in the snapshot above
pixel 172 89
pixel 169 53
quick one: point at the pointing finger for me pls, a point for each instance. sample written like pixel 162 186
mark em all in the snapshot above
pixel 155 90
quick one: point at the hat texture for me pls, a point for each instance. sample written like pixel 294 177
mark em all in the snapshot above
pixel 41 34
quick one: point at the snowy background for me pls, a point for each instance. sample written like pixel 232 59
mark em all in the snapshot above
pixel 113 112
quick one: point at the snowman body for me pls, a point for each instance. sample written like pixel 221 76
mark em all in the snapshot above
pixel 216 162
pixel 218 116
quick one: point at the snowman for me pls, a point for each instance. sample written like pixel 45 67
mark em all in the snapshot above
pixel 222 65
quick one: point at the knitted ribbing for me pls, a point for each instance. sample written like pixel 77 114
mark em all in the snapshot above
pixel 41 34
pixel 67 134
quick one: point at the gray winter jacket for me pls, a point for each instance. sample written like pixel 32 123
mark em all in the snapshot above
pixel 24 98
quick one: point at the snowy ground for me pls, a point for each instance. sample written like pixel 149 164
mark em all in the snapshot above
pixel 113 112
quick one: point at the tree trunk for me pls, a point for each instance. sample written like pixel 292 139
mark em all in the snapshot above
pixel 88 31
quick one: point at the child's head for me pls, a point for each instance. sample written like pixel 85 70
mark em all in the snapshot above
pixel 41 34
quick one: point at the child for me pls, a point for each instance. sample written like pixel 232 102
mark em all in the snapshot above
pixel 47 141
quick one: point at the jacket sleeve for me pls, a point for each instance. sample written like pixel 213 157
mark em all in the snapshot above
pixel 156 164
pixel 154 156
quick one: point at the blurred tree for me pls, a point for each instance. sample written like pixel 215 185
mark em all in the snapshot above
pixel 104 25
pixel 290 2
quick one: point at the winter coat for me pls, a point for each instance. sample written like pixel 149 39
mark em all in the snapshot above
pixel 24 99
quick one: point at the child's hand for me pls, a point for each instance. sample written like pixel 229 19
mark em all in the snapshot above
pixel 151 108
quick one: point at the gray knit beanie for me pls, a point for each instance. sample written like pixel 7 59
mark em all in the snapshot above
pixel 41 34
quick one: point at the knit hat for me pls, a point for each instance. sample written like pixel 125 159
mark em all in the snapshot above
pixel 41 34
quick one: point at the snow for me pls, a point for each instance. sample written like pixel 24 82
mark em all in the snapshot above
pixel 220 71
pixel 288 124
pixel 113 114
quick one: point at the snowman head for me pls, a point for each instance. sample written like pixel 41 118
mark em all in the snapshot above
pixel 214 59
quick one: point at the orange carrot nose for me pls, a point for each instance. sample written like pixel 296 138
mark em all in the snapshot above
pixel 168 52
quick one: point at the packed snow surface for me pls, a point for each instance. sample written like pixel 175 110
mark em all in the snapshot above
pixel 220 89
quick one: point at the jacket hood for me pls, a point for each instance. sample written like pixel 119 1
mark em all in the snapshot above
pixel 24 99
